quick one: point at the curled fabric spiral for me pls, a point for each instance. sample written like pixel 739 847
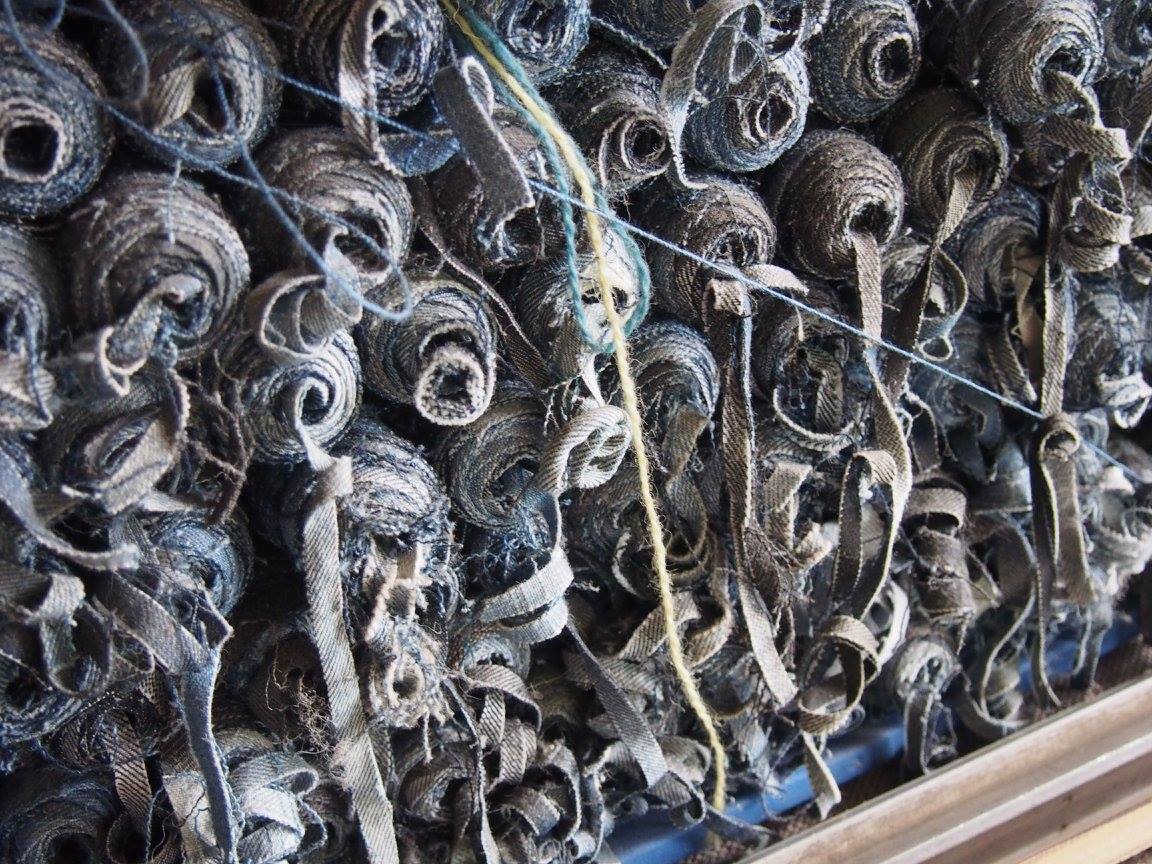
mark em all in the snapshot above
pixel 270 787
pixel 54 138
pixel 917 678
pixel 30 292
pixel 1106 368
pixel 317 397
pixel 752 122
pixel 859 191
pixel 49 810
pixel 1126 31
pixel 573 337
pixel 57 649
pixel 936 134
pixel 1007 51
pixel 545 37
pixel 442 358
pixel 212 73
pixel 947 295
pixel 345 199
pixel 724 222
pixel 658 25
pixel 157 267
pixel 755 105
pixel 866 56
pixel 218 557
pixel 612 108
pixel 113 452
pixel 680 384
pixel 486 229
pixel 378 57
pixel 490 462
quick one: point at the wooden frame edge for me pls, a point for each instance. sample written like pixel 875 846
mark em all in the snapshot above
pixel 1012 801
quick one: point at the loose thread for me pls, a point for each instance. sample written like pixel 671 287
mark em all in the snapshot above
pixel 627 385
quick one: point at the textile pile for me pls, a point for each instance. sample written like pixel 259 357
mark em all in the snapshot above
pixel 439 431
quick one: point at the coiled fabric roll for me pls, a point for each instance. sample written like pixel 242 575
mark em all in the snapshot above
pixel 1128 32
pixel 483 238
pixel 270 786
pixel 291 407
pixel 865 58
pixel 544 307
pixel 47 813
pixel 811 373
pixel 114 451
pixel 489 463
pixel 1008 51
pixel 30 291
pixel 213 78
pixel 378 56
pixel 396 500
pixel 54 137
pixel 1106 369
pixel 725 222
pixel 999 248
pixel 831 187
pixel 442 358
pixel 611 106
pixel 217 555
pixel 58 653
pixel 156 265
pixel 544 35
pixel 933 136
pixel 342 199
pixel 752 123
pixel 679 382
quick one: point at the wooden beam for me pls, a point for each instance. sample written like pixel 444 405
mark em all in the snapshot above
pixel 1015 799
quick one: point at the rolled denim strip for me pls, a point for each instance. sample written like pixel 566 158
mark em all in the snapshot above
pixel 30 293
pixel 55 137
pixel 213 78
pixel 611 104
pixel 489 463
pixel 1127 32
pixel 725 222
pixel 291 407
pixel 218 556
pixel 333 195
pixel 947 295
pixel 677 377
pixel 832 186
pixel 46 810
pixel 487 236
pixel 544 307
pixel 865 57
pixel 751 123
pixel 376 58
pixel 156 266
pixel 441 359
pixel 934 135
pixel 1106 370
pixel 544 36
pixel 1007 51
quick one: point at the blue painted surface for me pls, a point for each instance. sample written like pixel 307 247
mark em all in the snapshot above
pixel 654 839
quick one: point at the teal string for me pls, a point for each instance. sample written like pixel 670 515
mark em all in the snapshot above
pixel 563 184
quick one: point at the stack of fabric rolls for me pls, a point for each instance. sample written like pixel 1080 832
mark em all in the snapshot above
pixel 438 431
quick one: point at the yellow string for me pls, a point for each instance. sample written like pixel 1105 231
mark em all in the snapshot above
pixel 571 156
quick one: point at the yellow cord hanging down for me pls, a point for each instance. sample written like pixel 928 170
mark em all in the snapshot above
pixel 575 163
